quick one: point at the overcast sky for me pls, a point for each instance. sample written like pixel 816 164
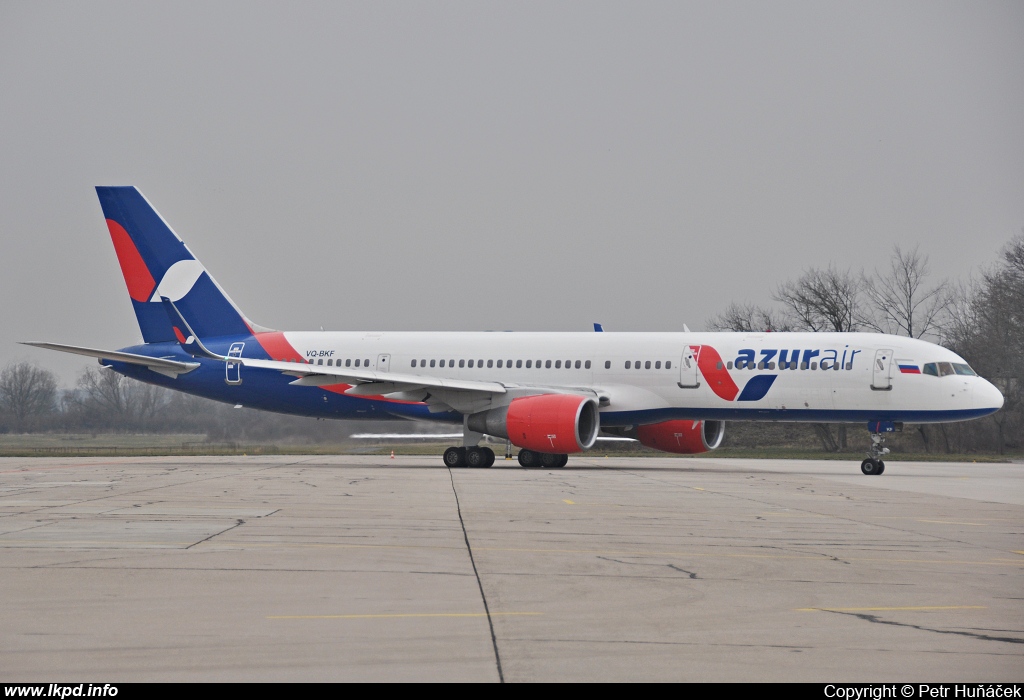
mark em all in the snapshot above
pixel 483 165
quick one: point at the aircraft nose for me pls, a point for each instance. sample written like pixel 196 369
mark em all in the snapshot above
pixel 986 395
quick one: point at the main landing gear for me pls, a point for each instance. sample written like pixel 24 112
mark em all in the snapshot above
pixel 873 465
pixel 476 457
pixel 542 460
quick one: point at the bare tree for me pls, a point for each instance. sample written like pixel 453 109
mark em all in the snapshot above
pixel 110 398
pixel 27 392
pixel 986 327
pixel 748 318
pixel 822 300
pixel 901 301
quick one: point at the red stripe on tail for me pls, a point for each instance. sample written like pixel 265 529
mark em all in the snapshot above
pixel 136 275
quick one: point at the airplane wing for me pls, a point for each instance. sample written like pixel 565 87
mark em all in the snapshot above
pixel 378 382
pixel 440 393
pixel 171 368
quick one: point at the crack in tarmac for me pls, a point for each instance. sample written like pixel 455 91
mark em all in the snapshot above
pixel 879 621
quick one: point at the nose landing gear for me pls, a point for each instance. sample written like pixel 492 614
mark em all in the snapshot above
pixel 873 465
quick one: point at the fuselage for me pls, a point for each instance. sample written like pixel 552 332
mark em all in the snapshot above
pixel 638 377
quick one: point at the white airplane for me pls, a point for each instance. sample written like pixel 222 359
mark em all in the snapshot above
pixel 549 394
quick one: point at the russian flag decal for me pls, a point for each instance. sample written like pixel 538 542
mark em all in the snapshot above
pixel 907 367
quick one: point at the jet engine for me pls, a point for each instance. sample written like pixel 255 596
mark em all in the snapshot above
pixel 685 437
pixel 552 423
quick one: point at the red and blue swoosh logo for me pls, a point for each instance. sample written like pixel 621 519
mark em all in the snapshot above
pixel 711 365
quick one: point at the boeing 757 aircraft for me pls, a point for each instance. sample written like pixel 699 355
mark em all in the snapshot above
pixel 549 394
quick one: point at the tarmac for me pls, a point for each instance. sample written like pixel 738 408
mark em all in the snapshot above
pixel 358 568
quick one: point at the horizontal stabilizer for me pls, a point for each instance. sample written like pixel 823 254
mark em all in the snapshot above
pixel 157 364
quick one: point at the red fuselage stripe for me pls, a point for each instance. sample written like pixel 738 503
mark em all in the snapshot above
pixel 713 368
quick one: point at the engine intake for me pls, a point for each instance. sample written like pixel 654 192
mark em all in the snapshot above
pixel 552 423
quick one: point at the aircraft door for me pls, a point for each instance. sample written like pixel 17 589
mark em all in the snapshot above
pixel 881 371
pixel 688 369
pixel 233 370
pixel 383 363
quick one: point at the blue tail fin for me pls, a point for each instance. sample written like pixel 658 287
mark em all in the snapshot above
pixel 156 263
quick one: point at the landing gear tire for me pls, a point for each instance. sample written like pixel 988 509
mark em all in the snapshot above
pixel 553 461
pixel 455 457
pixel 872 467
pixel 477 457
pixel 528 459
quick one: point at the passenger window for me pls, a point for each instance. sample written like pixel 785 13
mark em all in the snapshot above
pixel 578 364
pixel 348 362
pixel 668 364
pixel 771 365
pixel 628 365
pixel 490 364
pixel 586 365
pixel 432 362
pixel 413 363
pixel 803 365
pixel 462 363
pixel 760 365
pixel 607 364
pixel 479 363
pixel 814 365
pixel 547 365
pixel 647 365
pixel 519 364
pixel 529 363
pixel 728 365
pixel 657 365
pixel 636 364
pixel 357 363
pixel 849 365
pixel 558 364
pixel 499 364
pixel 718 365
pixel 471 364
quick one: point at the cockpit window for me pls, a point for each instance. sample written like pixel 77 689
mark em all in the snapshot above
pixel 944 369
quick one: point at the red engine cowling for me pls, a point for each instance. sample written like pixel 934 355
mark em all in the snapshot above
pixel 559 423
pixel 685 437
pixel 553 423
